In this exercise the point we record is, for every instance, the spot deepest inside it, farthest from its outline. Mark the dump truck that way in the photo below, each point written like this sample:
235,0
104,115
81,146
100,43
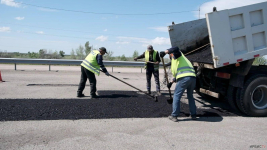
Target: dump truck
222,48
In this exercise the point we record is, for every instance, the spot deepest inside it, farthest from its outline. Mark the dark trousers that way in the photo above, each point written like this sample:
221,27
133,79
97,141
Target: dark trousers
148,79
91,76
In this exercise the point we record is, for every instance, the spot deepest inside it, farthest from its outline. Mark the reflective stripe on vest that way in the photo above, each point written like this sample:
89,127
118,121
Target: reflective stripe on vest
91,66
156,66
182,67
185,72
90,62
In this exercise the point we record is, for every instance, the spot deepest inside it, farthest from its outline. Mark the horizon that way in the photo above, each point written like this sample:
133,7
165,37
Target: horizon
120,26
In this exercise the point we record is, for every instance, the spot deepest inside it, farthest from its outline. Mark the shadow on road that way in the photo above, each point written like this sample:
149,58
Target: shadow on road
111,104
219,105
213,117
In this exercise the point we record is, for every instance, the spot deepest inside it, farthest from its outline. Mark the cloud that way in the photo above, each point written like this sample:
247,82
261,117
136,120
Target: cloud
106,30
10,3
47,9
223,4
4,29
160,41
131,38
40,32
19,18
102,38
122,42
160,29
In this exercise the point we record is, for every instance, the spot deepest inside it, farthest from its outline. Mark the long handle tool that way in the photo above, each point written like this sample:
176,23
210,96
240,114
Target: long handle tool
154,97
171,99
146,61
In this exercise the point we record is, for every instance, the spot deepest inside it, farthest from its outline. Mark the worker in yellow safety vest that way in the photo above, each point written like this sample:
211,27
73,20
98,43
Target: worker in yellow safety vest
185,77
89,67
152,67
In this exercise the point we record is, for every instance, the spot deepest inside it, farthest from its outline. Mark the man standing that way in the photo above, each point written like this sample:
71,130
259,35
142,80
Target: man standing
89,67
184,74
152,67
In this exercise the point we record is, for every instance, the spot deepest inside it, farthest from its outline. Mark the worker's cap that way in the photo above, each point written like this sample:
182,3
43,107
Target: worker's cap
173,50
103,49
149,47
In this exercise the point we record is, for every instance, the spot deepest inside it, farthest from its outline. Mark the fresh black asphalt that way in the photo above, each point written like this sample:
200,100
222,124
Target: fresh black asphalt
202,55
111,104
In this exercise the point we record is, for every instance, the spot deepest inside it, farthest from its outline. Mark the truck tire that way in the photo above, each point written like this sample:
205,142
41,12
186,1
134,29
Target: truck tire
252,98
237,100
231,98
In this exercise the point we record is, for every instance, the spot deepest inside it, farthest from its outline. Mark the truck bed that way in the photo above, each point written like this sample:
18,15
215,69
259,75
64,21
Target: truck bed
235,35
201,56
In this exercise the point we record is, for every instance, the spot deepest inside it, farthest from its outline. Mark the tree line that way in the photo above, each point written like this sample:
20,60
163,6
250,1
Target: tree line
43,54
79,53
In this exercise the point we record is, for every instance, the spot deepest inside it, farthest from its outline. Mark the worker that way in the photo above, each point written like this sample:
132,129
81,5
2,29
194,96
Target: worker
185,77
89,67
152,67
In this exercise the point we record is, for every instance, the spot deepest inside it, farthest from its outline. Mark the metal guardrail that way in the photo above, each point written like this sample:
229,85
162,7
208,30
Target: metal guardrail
67,62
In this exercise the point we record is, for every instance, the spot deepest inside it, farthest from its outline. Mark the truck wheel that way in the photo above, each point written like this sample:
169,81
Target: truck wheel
237,100
253,97
231,97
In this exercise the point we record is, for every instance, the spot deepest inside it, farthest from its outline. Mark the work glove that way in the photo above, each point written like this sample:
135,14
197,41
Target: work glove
107,74
169,85
162,54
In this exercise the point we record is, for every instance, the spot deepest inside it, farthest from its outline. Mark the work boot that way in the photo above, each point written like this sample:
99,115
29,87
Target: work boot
193,117
80,95
172,118
94,96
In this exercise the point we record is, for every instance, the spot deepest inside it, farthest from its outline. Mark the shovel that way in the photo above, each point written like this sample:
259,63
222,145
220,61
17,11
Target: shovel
154,97
169,101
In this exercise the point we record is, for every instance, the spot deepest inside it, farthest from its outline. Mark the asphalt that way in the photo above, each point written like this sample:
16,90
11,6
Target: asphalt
39,110
110,104
202,55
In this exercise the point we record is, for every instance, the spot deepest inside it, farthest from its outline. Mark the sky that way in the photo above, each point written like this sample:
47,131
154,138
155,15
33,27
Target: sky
122,26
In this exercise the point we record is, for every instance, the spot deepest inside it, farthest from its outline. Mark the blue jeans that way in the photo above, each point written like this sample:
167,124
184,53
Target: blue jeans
185,83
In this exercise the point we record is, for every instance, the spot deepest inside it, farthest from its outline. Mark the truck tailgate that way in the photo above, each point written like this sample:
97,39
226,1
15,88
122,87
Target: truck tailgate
189,36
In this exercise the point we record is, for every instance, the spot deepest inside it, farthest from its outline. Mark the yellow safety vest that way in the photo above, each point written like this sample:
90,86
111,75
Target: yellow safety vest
90,62
156,66
182,67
